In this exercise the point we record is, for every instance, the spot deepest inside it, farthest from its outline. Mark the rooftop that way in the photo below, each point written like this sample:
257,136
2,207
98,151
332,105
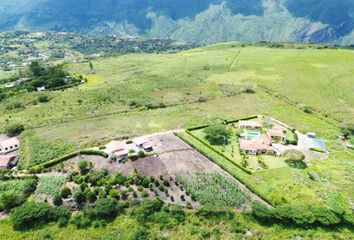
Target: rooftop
9,142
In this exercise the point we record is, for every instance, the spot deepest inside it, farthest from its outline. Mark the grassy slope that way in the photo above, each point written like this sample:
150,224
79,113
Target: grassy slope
99,110
178,80
126,227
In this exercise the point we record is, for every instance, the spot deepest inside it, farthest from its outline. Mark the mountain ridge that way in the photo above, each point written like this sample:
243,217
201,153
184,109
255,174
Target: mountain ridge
193,20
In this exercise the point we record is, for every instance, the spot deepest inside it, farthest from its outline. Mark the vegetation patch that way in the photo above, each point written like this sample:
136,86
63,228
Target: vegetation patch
213,189
15,192
50,185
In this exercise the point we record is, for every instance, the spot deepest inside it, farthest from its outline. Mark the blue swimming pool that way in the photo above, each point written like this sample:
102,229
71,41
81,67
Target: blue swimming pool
253,134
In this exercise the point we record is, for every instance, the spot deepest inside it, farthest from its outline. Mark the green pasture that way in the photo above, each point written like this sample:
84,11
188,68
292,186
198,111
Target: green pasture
138,94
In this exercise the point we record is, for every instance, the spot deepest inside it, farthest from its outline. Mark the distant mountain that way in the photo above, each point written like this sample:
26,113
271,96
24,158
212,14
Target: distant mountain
204,21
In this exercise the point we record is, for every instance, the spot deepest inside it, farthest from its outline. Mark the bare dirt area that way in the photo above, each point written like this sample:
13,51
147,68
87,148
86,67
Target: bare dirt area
172,156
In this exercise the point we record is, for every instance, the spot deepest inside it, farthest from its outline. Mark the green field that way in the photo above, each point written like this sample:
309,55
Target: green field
137,94
124,96
127,94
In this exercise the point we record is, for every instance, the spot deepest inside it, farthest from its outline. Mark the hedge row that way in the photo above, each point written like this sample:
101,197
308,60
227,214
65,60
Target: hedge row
220,153
301,214
40,167
225,167
226,121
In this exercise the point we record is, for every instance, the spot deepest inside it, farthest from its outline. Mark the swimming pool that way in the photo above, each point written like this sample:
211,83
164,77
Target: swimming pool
252,134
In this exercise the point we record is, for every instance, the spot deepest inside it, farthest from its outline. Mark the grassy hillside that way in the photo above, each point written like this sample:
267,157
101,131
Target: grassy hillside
143,93
137,94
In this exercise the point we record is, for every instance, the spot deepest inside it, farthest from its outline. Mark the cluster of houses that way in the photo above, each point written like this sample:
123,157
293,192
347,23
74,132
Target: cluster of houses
258,143
8,153
120,150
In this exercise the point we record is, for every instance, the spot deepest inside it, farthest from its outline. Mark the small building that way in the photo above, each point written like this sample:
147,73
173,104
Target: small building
147,147
9,145
349,146
117,150
8,161
250,125
257,146
276,134
41,89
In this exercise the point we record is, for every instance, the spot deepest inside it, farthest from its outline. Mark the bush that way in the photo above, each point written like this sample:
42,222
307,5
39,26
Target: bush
43,99
145,194
80,198
81,221
166,183
307,109
31,214
91,196
217,134
105,208
262,212
295,158
57,201
145,183
84,166
14,129
147,208
141,154
65,192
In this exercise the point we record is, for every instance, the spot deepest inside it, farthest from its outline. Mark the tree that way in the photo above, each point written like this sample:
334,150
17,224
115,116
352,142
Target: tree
57,201
65,192
36,69
31,214
105,208
217,134
80,197
347,129
9,200
91,66
14,129
84,166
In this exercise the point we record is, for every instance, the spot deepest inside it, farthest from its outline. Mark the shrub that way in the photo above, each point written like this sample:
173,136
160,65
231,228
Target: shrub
84,166
146,208
80,197
119,178
57,201
65,192
14,129
141,154
31,214
105,208
113,193
261,212
91,196
145,183
307,109
43,99
166,183
81,220
145,194
161,188
217,134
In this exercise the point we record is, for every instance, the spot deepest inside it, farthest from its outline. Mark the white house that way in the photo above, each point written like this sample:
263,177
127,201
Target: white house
9,145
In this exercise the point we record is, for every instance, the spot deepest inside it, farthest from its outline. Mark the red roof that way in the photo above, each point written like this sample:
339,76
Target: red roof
5,160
